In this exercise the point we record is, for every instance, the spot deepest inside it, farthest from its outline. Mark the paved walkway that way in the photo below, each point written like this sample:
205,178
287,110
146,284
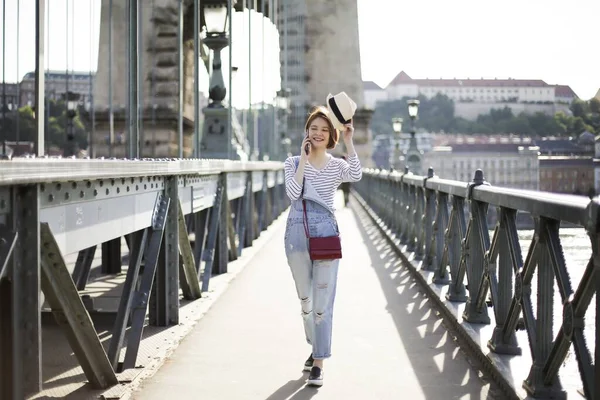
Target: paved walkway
387,342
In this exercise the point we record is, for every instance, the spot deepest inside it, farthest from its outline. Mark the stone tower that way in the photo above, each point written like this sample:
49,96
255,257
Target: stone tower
320,54
159,71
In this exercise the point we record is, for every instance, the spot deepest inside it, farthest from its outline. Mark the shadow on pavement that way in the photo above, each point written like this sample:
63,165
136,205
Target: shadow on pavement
291,389
441,368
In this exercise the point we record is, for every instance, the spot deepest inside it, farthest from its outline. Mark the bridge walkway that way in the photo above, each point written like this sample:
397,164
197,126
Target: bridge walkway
388,343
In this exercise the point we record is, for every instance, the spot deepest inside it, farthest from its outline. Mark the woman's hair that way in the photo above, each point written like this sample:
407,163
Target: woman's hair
321,112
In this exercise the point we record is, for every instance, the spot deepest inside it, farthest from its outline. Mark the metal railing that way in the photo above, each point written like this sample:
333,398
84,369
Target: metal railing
425,217
53,207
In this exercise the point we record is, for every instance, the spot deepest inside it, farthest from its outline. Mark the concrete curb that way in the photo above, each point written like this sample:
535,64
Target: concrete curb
465,340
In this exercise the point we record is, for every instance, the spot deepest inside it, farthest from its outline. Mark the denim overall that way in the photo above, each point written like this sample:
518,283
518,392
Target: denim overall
315,280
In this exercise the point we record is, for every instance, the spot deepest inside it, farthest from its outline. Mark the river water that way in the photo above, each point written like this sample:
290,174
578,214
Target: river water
577,250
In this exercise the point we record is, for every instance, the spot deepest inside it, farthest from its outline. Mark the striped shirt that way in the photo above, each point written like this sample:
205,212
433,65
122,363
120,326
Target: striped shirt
325,181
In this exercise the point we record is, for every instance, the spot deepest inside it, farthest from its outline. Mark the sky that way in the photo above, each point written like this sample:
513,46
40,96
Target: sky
553,40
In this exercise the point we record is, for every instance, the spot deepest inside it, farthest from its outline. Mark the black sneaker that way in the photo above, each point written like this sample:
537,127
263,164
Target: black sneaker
309,363
316,377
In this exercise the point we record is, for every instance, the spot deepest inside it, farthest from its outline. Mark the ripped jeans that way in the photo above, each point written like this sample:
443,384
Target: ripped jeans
315,280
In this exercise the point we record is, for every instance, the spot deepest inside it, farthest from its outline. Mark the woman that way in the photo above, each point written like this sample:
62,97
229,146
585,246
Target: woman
315,176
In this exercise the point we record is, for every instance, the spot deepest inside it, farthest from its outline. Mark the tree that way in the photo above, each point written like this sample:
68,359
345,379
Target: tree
578,108
520,125
55,134
437,115
595,106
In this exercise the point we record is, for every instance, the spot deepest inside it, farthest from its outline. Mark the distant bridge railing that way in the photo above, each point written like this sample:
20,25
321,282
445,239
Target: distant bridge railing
53,207
424,218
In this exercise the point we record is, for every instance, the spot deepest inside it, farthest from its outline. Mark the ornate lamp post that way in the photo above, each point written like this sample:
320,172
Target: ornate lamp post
395,152
215,141
216,18
72,100
413,155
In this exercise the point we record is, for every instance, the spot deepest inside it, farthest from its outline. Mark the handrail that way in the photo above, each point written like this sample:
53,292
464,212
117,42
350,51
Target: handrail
563,207
154,204
441,230
41,170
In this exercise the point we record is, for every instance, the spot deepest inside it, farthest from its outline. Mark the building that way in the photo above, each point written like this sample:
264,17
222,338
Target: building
292,42
18,149
473,97
373,94
9,92
505,162
582,146
564,94
567,174
56,85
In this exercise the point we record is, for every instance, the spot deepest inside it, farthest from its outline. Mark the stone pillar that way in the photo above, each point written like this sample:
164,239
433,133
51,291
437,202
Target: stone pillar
215,143
332,58
332,61
159,70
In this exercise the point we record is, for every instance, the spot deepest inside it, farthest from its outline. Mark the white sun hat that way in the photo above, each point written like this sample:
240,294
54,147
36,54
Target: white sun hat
341,109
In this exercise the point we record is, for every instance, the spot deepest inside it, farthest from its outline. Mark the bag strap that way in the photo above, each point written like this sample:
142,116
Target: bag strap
305,218
306,232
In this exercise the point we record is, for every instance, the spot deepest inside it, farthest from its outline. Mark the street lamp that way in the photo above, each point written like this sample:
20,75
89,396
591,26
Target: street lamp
397,125
413,155
72,100
216,18
395,140
216,142
413,108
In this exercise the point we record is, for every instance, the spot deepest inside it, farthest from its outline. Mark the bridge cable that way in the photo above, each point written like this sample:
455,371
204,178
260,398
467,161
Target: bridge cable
92,111
18,98
3,76
111,123
230,12
66,100
46,94
263,145
152,85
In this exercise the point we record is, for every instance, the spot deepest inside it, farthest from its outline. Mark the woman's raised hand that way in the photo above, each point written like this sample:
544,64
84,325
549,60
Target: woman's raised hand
348,132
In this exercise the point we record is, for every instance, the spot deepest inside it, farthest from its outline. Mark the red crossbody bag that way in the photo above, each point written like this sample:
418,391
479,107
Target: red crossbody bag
320,248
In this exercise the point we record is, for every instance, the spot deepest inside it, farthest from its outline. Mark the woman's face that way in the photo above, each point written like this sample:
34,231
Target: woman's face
318,132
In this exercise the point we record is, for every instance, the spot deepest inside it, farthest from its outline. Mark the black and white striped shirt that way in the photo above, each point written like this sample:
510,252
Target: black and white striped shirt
325,181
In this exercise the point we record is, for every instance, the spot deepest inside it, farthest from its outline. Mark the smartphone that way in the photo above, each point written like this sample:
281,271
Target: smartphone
307,146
